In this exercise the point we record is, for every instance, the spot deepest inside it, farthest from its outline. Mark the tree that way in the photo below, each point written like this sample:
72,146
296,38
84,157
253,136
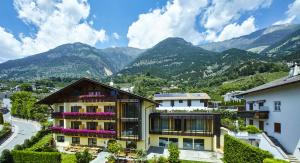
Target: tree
25,87
173,153
1,118
6,157
83,157
115,149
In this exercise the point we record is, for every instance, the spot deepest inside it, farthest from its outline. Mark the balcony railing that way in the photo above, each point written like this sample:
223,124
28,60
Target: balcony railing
182,133
84,115
85,132
256,114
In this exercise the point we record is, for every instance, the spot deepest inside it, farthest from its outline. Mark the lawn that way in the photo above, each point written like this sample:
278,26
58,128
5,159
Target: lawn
188,161
68,158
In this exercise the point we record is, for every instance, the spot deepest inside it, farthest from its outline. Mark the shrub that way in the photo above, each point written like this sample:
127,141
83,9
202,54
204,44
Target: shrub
6,157
6,130
237,151
251,129
44,145
173,153
18,147
269,160
162,159
36,157
68,158
83,157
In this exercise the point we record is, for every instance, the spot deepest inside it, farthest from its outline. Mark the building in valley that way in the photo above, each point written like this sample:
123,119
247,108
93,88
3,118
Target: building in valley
274,108
182,101
90,113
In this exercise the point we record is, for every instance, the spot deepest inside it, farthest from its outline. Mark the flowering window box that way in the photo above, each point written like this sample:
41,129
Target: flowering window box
85,132
85,115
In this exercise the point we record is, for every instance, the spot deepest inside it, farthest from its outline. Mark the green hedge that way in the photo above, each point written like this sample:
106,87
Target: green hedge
236,151
43,145
270,160
36,157
5,132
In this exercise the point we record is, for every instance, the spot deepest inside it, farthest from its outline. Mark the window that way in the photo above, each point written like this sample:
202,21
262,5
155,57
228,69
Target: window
75,140
61,123
277,105
173,141
75,108
251,106
277,128
260,105
60,139
92,141
109,126
172,103
109,108
199,144
75,124
130,110
250,122
91,125
91,109
163,142
189,102
165,124
61,109
180,101
187,143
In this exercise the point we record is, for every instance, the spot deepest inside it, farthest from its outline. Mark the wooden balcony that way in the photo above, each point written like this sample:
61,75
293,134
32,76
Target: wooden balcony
255,114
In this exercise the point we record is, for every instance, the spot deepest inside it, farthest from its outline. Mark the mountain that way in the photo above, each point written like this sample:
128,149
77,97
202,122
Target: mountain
256,41
172,58
286,46
69,60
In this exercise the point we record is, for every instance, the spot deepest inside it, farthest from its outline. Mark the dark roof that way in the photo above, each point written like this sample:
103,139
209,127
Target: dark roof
47,100
274,84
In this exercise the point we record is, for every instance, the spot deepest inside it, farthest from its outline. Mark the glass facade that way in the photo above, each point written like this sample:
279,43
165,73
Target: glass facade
187,143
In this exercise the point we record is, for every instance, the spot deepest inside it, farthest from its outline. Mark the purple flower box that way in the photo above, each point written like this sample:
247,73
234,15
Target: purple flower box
85,115
88,114
82,131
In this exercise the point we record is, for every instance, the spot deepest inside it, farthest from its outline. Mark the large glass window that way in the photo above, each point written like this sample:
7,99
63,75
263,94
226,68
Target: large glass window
75,140
61,123
163,142
109,108
197,125
165,124
75,108
91,109
92,141
130,110
91,125
109,126
199,144
75,124
155,124
187,143
130,129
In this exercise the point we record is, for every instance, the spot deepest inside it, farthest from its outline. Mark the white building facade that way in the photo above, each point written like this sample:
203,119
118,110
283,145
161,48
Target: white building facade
182,101
275,108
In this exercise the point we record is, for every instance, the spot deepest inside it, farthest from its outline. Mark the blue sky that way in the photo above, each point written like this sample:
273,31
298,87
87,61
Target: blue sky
32,26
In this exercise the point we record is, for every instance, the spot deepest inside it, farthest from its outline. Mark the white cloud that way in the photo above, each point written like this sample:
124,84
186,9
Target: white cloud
222,12
293,13
236,30
177,18
116,36
9,46
57,22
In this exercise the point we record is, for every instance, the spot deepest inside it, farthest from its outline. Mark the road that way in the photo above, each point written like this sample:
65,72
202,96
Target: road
22,129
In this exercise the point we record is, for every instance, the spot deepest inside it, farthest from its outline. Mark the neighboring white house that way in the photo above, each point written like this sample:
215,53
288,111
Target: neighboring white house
232,96
275,108
182,101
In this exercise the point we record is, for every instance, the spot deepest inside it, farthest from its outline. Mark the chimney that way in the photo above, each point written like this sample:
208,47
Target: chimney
295,70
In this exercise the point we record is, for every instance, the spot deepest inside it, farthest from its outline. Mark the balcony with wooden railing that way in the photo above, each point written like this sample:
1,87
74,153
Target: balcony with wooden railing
261,113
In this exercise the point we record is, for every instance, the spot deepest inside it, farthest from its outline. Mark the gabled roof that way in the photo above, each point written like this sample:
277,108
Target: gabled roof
273,84
49,99
181,96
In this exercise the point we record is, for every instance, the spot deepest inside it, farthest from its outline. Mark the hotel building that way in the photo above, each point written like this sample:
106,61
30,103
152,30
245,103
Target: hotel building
90,113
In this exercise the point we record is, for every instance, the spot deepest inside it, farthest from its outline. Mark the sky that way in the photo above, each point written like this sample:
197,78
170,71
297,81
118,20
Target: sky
29,27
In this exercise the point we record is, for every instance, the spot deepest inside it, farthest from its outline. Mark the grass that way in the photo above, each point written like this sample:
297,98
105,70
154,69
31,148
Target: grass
42,144
68,158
